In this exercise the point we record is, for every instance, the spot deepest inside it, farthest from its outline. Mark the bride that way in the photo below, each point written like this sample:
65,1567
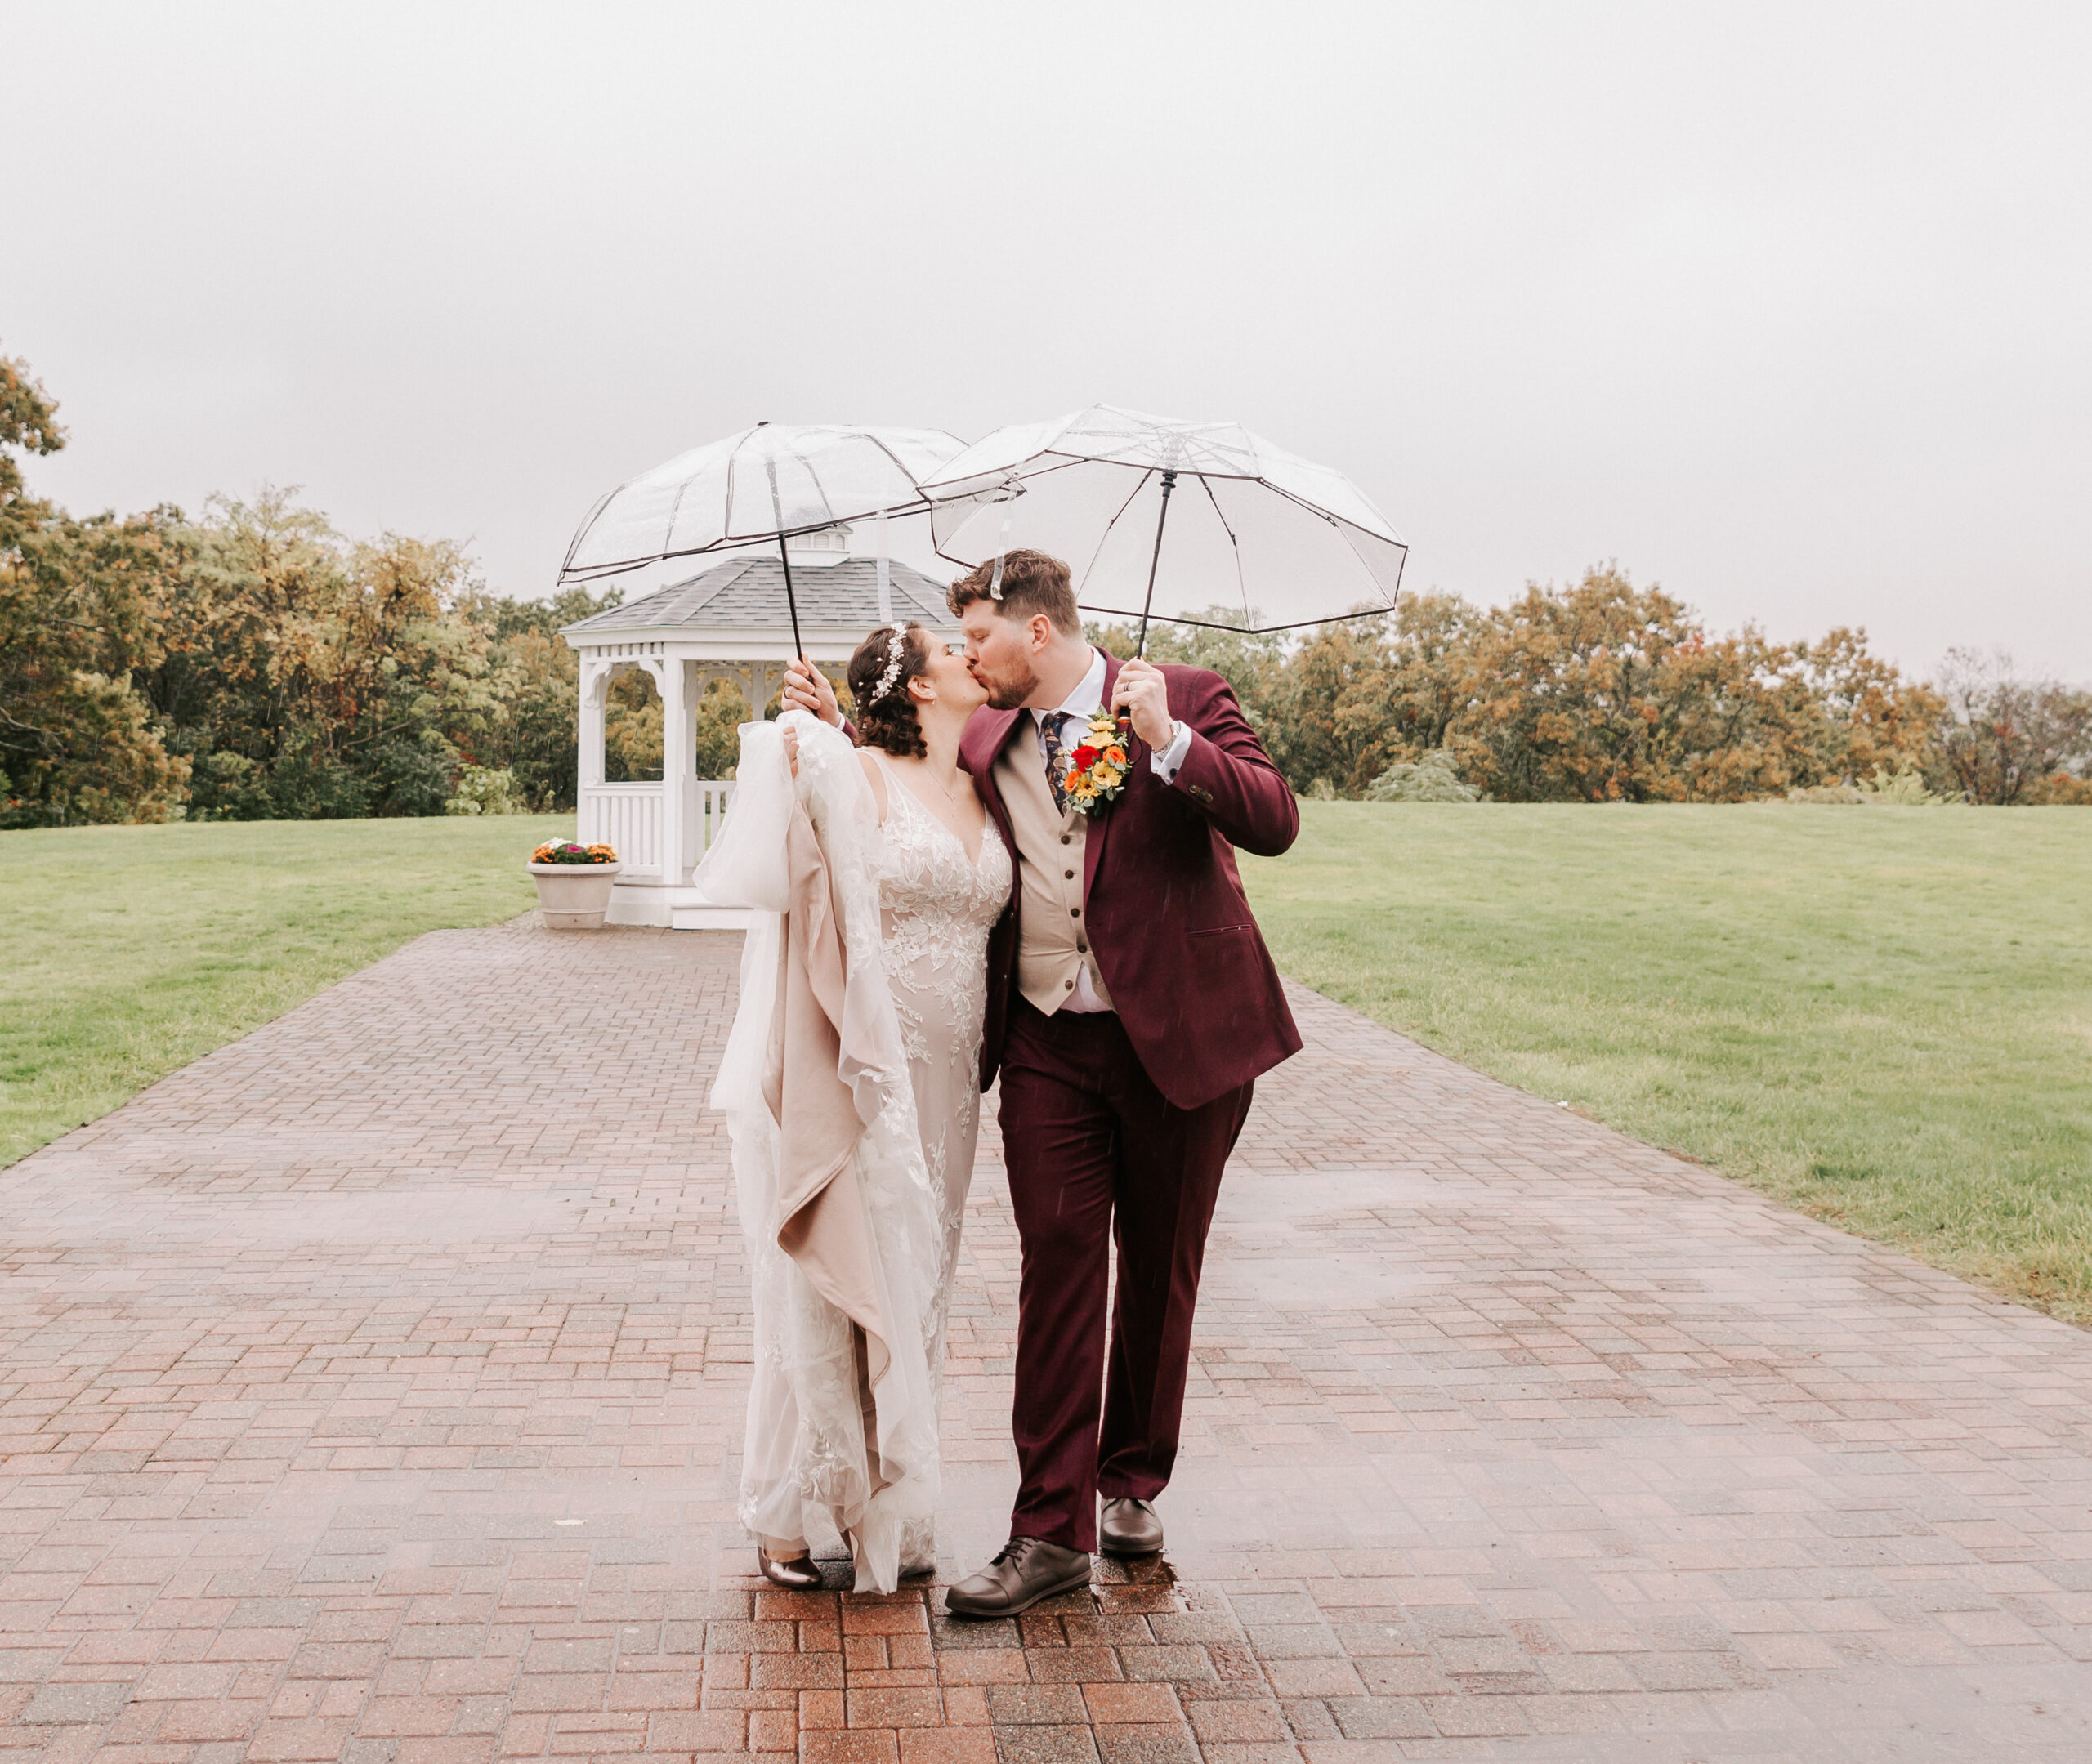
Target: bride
850,1088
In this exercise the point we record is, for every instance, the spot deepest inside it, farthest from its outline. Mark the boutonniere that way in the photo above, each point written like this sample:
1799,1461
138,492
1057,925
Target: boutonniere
1097,767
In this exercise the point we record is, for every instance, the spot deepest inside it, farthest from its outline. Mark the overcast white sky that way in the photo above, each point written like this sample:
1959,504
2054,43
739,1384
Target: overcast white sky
1789,308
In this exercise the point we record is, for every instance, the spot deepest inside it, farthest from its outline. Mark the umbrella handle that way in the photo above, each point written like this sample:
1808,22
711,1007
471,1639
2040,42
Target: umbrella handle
1169,483
791,601
783,553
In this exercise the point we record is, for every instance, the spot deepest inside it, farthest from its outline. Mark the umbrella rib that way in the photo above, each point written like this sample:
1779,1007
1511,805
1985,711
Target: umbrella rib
618,566
1323,513
1147,472
581,532
915,506
1234,544
733,461
1345,529
1207,624
930,502
913,484
676,508
820,490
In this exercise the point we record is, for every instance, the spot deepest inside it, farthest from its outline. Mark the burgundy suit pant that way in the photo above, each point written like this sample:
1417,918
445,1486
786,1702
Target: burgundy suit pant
1098,1158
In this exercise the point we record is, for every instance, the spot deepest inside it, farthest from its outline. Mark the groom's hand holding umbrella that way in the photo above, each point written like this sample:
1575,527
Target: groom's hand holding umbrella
807,688
1143,695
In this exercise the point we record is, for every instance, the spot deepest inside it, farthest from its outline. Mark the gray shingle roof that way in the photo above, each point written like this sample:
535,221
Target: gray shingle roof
750,591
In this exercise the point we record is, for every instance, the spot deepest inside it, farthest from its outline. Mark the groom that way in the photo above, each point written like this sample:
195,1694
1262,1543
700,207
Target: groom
1131,1005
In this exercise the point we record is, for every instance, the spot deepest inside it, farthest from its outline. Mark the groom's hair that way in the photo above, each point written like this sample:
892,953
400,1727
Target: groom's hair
1032,583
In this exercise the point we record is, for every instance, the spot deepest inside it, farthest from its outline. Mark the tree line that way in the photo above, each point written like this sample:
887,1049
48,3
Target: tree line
1602,691
252,663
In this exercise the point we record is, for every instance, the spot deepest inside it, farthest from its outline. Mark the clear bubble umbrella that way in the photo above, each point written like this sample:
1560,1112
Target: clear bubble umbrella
1276,541
770,482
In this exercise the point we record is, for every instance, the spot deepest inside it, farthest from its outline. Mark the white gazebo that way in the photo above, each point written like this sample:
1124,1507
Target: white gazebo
727,622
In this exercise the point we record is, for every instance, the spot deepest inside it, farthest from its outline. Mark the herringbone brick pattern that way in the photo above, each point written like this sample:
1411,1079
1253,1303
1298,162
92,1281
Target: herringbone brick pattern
369,1391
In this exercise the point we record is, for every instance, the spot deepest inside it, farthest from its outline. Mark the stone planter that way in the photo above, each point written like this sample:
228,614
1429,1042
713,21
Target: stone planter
573,896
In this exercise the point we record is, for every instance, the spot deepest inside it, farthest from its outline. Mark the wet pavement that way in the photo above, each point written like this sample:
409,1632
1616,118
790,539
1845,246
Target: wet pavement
369,1392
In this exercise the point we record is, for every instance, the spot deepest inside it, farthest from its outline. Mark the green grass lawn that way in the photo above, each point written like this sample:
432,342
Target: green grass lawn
132,950
1881,1015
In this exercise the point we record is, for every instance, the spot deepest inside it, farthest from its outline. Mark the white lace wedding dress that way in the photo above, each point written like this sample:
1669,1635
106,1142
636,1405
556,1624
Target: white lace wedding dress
826,1455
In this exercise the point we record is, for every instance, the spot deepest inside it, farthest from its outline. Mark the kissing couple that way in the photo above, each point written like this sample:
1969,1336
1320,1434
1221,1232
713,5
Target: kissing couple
1015,860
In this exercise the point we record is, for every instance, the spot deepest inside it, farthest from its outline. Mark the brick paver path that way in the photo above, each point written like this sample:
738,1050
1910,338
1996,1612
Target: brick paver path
370,1391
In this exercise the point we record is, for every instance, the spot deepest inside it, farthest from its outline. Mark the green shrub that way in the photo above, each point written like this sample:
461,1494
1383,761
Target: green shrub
482,790
1432,779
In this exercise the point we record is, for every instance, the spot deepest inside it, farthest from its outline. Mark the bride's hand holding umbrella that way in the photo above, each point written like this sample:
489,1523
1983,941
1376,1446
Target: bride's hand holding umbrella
807,688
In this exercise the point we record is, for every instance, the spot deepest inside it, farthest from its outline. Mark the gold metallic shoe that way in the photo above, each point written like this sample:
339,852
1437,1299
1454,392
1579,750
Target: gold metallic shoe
798,1575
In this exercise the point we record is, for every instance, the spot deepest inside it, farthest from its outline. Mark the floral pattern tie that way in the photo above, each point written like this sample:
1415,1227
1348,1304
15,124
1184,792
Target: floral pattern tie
1056,764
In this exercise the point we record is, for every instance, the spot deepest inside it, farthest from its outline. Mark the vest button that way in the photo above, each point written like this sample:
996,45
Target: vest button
1074,912
1082,948
1070,984
1070,874
1066,837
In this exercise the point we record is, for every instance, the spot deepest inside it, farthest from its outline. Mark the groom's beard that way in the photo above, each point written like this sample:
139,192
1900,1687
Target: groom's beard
1010,695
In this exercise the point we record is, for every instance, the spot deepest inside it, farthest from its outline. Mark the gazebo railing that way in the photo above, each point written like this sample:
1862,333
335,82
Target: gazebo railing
629,816
711,810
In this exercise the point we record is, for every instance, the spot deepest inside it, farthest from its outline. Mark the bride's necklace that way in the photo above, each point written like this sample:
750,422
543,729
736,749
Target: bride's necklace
950,790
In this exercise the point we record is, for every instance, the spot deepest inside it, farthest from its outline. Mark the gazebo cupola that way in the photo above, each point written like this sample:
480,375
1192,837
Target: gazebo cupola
727,621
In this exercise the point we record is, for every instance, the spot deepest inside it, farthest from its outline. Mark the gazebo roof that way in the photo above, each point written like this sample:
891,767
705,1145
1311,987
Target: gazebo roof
747,595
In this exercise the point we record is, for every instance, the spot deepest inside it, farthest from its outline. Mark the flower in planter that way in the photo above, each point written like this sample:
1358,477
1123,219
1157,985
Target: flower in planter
566,851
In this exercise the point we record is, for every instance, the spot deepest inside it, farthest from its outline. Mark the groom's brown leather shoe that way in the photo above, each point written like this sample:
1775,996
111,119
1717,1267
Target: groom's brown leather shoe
1129,1527
1025,1570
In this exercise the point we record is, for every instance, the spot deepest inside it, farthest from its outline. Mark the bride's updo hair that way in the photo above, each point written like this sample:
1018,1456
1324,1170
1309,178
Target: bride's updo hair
880,673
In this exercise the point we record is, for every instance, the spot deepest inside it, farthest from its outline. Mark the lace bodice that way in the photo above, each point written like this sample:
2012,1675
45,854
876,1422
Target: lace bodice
936,909
937,903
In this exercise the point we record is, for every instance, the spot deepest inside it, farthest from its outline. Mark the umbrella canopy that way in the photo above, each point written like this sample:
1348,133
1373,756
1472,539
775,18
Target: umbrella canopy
1273,539
765,482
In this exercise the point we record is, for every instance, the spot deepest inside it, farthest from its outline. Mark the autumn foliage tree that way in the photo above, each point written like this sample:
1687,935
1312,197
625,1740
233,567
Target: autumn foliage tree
1604,692
77,742
308,677
255,662
2006,740
1598,692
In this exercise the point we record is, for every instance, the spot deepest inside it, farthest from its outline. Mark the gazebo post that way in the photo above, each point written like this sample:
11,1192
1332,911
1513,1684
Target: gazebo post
678,768
594,688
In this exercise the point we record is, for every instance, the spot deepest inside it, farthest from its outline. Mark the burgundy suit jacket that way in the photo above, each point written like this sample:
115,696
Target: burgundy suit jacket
1168,923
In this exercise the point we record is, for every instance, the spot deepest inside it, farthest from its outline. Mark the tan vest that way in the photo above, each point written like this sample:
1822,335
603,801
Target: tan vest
1053,943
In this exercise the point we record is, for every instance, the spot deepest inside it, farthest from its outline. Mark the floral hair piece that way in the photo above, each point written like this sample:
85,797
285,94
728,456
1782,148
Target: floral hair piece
896,646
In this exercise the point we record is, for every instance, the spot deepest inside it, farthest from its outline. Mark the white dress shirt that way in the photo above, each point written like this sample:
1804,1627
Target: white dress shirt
1165,762
1087,699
